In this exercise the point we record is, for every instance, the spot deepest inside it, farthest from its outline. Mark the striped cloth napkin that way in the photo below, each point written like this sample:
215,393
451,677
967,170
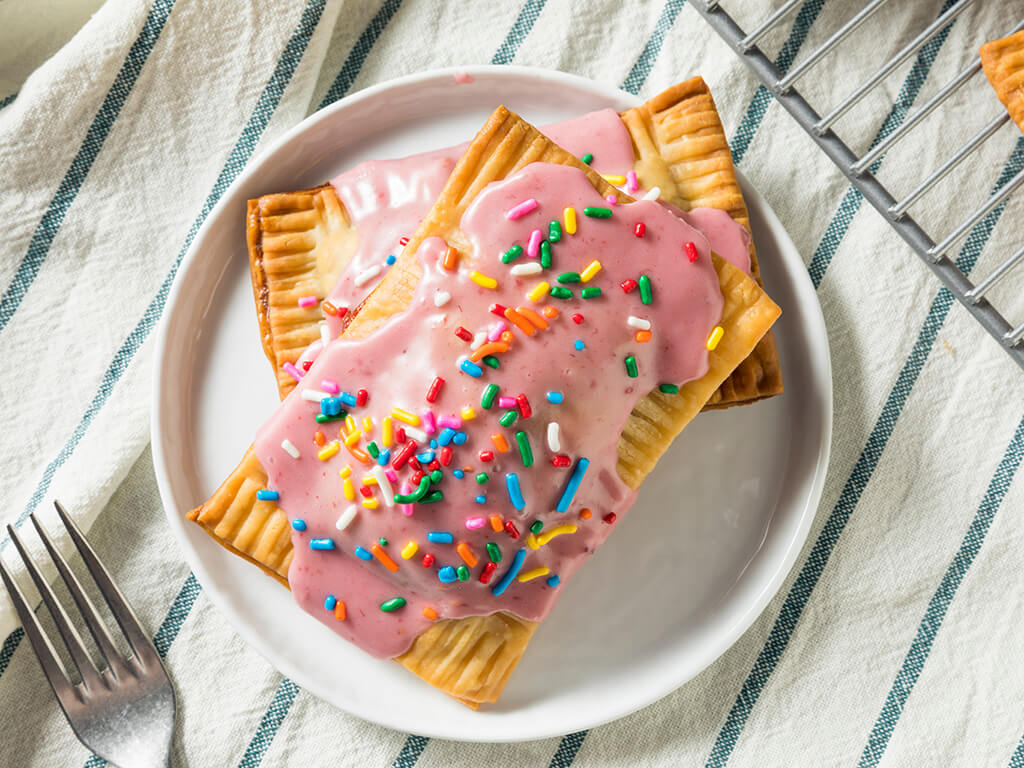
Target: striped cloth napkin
896,639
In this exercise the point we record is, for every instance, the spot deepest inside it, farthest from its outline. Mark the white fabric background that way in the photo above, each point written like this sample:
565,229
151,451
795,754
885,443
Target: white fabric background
897,639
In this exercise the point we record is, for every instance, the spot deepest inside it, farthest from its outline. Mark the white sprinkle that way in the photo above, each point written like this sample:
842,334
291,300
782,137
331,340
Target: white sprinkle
553,442
290,448
384,484
529,268
347,517
313,395
325,334
638,322
478,340
366,276
416,434
441,298
653,194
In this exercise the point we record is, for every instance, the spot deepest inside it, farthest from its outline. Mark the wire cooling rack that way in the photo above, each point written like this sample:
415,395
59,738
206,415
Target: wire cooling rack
860,170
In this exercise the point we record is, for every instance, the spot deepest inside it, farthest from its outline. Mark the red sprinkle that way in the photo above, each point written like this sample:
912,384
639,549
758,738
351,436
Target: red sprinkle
577,318
560,461
640,229
306,365
628,286
428,560
497,309
691,251
463,334
435,464
366,491
404,241
609,518
446,455
400,435
511,530
434,388
524,406
361,397
485,574
418,476
404,455
486,455
415,464
342,311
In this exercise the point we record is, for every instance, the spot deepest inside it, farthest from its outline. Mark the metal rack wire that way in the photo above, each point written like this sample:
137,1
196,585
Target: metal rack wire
859,169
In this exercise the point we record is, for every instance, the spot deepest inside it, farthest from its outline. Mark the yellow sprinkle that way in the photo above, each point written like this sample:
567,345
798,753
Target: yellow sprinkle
715,337
387,433
350,424
409,550
611,178
367,424
547,536
531,541
483,280
346,472
368,480
592,269
467,413
350,490
569,214
538,292
370,503
403,415
329,450
533,574
353,438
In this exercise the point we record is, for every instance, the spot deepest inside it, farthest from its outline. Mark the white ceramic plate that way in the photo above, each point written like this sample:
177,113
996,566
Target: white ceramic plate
714,532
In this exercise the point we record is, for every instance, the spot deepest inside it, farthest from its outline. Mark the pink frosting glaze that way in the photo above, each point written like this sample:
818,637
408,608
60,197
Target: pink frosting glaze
397,364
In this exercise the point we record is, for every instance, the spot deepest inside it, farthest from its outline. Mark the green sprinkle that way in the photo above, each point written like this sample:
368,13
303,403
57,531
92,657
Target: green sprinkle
508,418
537,527
493,552
597,213
591,292
417,495
554,231
545,254
482,477
436,476
432,496
524,448
631,369
587,158
568,277
490,392
561,293
322,418
372,449
492,361
463,573
393,604
645,289
382,541
512,254
668,389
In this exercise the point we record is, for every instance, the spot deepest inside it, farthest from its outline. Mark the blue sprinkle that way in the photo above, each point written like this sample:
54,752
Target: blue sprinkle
330,406
553,580
299,525
447,574
433,443
460,438
363,554
481,499
425,457
390,259
440,537
458,473
329,602
384,457
321,543
579,344
573,485
555,397
511,573
347,399
515,493
265,495
474,370
446,436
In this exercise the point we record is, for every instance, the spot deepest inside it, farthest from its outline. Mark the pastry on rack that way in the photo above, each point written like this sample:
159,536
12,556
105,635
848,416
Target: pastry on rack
1003,62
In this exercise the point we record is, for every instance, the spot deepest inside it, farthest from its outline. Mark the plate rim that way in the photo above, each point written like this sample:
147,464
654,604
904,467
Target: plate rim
760,596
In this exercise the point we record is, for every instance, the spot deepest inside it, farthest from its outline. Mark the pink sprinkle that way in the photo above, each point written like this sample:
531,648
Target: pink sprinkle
307,301
612,200
475,523
292,371
533,247
506,402
451,422
496,330
631,185
406,508
522,209
330,385
391,475
429,425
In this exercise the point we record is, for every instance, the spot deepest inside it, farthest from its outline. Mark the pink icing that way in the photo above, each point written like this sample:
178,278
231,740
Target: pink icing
399,361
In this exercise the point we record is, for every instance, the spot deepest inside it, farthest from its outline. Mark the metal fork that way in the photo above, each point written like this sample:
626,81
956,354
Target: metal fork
124,712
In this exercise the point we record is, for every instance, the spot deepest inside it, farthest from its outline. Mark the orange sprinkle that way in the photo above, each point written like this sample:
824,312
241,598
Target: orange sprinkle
318,437
497,524
451,259
506,336
429,613
643,336
339,610
533,317
519,321
329,308
550,313
490,348
499,442
585,513
381,555
359,454
466,553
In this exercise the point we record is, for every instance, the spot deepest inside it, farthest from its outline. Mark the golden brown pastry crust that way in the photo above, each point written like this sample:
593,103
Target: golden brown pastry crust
1003,62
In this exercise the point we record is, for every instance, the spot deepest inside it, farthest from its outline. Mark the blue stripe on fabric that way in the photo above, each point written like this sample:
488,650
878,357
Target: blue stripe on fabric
645,62
8,99
520,29
74,178
9,647
357,56
748,126
271,721
1017,759
800,593
240,154
940,601
567,750
411,751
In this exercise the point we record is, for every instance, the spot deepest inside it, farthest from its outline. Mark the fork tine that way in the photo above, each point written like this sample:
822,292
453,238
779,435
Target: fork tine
52,668
141,645
85,605
73,641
